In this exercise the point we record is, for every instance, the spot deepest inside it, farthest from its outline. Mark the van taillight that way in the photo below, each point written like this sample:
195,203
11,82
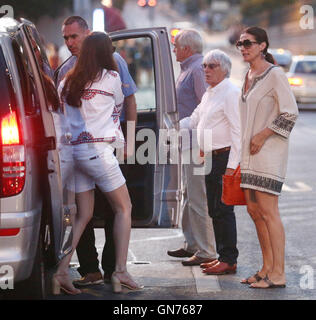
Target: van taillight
13,157
9,232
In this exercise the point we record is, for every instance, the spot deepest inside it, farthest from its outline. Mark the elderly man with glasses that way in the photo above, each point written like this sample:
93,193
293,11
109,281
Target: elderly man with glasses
199,245
218,112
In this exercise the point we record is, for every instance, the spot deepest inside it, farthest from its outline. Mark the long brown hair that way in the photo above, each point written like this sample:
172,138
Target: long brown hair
95,55
261,36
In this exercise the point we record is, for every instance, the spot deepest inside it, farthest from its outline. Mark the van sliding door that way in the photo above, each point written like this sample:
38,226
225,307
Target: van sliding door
153,175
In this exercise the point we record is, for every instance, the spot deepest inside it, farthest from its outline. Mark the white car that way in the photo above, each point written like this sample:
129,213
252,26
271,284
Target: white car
302,78
282,57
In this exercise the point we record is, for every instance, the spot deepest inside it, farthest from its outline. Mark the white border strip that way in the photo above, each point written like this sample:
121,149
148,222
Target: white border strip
205,283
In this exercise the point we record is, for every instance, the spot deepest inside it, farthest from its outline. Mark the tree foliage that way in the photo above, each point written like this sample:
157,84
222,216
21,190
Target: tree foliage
253,7
33,9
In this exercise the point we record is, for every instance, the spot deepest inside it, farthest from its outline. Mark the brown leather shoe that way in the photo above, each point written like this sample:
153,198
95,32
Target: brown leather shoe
221,268
180,253
89,279
196,261
208,264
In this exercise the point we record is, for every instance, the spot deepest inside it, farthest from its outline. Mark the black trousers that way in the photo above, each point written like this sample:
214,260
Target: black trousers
223,216
87,252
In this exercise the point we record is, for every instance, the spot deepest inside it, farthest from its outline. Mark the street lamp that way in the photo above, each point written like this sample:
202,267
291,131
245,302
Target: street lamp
145,3
98,20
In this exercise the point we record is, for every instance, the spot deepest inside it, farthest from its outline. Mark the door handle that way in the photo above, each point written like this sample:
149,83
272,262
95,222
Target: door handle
47,143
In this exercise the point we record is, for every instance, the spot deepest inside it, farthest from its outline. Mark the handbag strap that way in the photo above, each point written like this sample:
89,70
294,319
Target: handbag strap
237,171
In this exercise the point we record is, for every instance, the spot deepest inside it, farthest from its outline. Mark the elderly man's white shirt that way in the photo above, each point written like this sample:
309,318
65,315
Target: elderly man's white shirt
218,112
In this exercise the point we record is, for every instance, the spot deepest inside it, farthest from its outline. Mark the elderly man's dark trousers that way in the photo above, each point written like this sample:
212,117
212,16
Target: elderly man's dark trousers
224,221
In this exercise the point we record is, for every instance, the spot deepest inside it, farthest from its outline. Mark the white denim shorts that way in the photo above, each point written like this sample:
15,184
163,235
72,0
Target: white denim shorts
102,170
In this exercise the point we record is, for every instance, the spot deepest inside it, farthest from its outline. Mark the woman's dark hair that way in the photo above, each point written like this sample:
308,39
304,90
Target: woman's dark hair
95,55
261,36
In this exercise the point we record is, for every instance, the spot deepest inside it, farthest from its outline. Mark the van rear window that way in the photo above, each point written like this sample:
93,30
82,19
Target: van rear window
7,101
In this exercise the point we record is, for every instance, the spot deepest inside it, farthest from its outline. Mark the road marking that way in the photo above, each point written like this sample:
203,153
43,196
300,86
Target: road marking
205,283
301,187
296,202
300,209
300,217
132,255
179,234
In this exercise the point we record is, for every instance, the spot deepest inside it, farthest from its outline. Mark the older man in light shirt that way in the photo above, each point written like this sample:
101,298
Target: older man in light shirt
219,112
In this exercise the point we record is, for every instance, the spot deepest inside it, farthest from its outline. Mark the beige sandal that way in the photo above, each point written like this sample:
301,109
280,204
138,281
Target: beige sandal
58,287
256,276
117,284
269,283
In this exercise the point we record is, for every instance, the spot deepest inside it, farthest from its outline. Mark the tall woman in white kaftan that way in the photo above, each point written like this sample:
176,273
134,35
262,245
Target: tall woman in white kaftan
268,112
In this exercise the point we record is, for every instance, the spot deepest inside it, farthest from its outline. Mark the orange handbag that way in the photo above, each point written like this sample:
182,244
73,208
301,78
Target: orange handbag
232,194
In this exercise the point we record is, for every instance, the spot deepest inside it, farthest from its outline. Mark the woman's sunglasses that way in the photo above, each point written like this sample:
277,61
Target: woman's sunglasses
246,44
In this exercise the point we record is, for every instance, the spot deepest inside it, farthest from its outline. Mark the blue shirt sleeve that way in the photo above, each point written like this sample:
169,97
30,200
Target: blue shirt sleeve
128,84
63,69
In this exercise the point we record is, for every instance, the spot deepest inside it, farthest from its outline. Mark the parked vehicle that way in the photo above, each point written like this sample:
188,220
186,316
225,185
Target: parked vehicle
302,78
181,25
36,203
154,186
32,211
282,57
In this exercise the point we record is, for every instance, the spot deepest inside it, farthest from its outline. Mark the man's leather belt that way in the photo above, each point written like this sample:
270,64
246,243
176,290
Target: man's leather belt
218,151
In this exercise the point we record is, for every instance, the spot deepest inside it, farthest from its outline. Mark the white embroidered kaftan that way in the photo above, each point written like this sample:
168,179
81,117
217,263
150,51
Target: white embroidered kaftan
268,103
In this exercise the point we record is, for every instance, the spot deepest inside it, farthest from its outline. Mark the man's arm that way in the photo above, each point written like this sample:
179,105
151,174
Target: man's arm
61,71
231,111
131,120
130,107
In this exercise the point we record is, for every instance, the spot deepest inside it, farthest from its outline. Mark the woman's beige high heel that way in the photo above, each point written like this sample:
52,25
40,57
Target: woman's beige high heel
117,284
57,286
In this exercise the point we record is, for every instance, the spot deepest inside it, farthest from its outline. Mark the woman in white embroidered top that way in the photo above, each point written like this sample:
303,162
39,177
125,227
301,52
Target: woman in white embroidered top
93,99
268,112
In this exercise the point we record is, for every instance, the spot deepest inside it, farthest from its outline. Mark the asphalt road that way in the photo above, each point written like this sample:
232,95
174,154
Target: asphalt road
165,278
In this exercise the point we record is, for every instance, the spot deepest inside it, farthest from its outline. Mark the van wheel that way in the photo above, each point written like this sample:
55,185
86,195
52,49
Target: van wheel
34,288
